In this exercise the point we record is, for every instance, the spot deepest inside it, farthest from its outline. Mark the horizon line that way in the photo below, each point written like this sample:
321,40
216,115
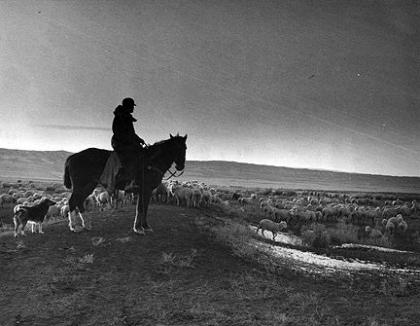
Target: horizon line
247,163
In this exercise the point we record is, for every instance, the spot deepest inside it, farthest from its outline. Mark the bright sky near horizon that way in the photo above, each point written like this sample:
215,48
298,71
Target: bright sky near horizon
314,84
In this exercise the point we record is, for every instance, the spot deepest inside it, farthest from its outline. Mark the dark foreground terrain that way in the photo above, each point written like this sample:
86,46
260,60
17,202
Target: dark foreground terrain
178,275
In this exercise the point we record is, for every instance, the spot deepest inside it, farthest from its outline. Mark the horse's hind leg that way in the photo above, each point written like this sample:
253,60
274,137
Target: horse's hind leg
74,203
86,220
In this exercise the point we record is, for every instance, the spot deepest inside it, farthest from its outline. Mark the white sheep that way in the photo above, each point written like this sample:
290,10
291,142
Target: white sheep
103,200
53,211
390,226
91,203
396,223
280,214
205,198
269,225
65,209
402,226
372,232
196,197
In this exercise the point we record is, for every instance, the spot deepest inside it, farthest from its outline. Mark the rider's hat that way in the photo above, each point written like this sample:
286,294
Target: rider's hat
128,101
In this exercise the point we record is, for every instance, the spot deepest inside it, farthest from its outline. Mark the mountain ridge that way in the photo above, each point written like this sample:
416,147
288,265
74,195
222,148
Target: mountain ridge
49,165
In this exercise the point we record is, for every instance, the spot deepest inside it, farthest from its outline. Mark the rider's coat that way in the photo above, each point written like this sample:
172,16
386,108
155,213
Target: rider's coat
123,129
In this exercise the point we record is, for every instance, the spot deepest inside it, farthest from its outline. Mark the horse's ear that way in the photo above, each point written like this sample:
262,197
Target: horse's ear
185,137
170,135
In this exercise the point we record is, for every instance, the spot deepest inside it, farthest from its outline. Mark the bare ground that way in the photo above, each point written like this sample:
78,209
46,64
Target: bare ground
177,275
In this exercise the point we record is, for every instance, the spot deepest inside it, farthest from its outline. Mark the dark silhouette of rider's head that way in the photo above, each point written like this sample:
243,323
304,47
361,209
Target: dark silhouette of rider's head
128,104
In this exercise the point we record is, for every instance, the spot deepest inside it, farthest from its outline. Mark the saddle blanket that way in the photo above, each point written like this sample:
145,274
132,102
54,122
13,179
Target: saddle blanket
110,171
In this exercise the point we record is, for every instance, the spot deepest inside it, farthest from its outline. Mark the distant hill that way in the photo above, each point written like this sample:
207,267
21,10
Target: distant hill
49,165
32,164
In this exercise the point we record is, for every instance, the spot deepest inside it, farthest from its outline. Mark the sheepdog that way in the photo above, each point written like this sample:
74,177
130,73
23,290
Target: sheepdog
35,214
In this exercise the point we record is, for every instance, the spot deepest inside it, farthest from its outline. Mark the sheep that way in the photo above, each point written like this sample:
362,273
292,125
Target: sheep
6,199
396,202
91,202
118,197
363,216
160,193
53,211
281,214
388,212
303,216
244,201
402,226
180,192
269,225
65,210
396,223
390,227
21,200
372,232
196,197
205,198
330,213
183,195
103,199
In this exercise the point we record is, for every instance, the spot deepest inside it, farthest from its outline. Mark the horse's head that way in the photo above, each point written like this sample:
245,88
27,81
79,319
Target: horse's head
179,150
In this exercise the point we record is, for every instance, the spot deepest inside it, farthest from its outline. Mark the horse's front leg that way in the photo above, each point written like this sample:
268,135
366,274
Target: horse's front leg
138,228
146,201
140,221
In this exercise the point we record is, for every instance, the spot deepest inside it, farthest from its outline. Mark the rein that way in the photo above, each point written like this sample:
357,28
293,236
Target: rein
173,174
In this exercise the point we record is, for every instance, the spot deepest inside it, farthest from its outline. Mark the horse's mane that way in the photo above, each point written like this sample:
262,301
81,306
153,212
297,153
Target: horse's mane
157,145
160,142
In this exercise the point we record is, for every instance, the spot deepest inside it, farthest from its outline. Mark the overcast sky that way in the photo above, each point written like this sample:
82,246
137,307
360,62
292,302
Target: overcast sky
314,84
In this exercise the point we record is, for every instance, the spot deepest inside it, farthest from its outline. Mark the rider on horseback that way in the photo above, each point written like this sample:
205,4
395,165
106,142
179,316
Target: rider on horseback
127,144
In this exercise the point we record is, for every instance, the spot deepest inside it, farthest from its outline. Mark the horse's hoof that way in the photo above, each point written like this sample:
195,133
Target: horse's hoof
139,231
148,229
78,229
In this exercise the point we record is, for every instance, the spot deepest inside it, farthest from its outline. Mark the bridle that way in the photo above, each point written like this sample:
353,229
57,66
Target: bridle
172,174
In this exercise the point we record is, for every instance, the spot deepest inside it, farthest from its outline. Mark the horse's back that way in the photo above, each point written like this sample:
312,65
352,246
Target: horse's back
91,153
85,165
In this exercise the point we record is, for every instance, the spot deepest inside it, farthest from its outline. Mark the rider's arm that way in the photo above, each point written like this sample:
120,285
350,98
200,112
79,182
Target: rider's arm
140,140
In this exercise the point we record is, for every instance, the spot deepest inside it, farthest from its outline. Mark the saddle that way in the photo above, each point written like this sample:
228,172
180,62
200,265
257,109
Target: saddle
109,175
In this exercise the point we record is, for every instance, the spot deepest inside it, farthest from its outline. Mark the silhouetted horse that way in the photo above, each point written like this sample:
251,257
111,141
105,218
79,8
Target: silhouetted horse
83,171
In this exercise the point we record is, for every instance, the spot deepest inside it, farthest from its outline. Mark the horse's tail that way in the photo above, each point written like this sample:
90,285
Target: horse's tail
67,180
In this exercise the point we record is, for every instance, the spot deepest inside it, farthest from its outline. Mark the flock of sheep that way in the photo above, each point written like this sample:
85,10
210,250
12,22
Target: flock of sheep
278,210
377,216
188,194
